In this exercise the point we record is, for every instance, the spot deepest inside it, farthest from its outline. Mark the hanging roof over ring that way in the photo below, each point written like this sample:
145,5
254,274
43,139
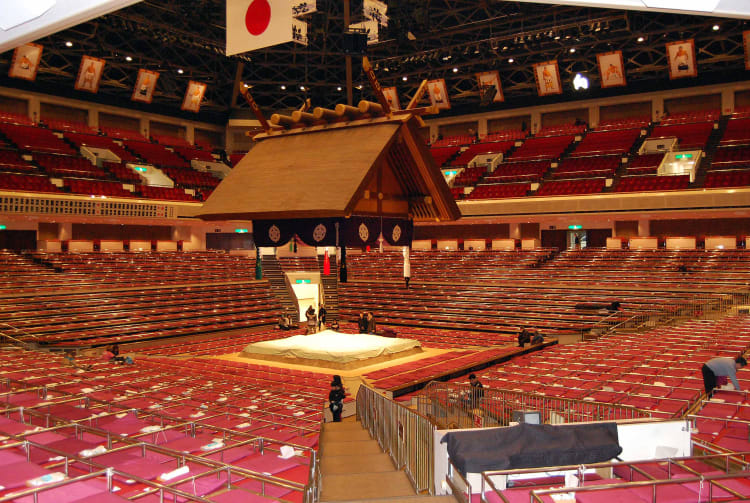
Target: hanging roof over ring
356,165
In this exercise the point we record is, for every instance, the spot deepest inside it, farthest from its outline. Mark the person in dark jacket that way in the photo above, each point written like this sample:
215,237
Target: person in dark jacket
371,327
322,316
336,399
524,337
362,323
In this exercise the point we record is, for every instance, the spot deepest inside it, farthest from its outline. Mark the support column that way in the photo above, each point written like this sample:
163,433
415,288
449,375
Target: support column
727,101
536,122
145,129
515,231
94,118
190,134
657,108
482,128
644,227
34,109
65,231
593,116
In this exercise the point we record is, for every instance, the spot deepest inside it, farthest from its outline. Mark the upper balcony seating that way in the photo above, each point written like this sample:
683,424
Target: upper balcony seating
731,158
561,130
35,139
96,188
644,164
571,187
27,183
502,190
13,118
190,177
481,148
737,178
607,142
442,154
736,133
691,117
121,172
526,171
587,167
190,153
166,193
104,142
550,147
457,192
690,136
172,141
156,154
69,166
469,176
123,134
69,126
205,145
11,161
648,183
458,140
629,123
507,135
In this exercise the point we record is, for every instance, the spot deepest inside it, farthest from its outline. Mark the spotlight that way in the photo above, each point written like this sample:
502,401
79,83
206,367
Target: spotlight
455,70
128,58
338,88
580,82
283,87
68,44
246,86
301,88
404,78
572,50
557,37
641,39
505,47
716,27
359,87
511,60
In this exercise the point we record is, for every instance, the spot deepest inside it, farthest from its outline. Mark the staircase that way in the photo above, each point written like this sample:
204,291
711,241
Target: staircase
709,150
355,469
330,286
272,272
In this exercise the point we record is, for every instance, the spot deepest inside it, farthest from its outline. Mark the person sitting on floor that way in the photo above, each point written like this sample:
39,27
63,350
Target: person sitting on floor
335,325
537,339
524,337
284,322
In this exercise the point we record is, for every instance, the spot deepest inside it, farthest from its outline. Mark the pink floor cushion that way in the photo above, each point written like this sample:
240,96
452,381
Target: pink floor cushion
101,498
8,456
666,494
232,454
69,493
11,427
128,425
189,444
268,489
236,495
522,496
69,446
734,444
609,496
15,475
203,485
299,474
269,463
139,467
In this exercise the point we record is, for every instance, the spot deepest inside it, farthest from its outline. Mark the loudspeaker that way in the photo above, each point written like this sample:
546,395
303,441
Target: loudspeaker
355,43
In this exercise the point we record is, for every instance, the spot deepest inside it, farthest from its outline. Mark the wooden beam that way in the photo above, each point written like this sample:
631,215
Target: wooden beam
237,83
255,108
376,88
418,95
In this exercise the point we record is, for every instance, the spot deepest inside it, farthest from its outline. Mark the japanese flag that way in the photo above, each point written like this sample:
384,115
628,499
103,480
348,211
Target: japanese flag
253,24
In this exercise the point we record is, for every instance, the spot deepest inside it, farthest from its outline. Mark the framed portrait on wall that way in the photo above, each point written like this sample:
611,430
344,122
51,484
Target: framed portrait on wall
547,76
25,62
391,96
611,69
681,57
145,85
490,90
438,94
89,74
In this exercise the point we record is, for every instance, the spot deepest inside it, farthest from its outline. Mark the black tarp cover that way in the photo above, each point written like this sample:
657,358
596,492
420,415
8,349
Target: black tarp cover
531,446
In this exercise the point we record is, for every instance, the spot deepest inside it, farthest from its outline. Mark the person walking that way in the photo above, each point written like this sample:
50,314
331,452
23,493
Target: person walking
336,398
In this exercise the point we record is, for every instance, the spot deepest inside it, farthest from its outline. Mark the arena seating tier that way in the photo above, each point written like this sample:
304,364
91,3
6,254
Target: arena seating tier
35,139
571,187
652,182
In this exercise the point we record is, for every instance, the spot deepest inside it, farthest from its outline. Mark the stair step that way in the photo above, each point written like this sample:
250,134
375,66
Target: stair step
407,499
356,463
345,436
360,486
346,448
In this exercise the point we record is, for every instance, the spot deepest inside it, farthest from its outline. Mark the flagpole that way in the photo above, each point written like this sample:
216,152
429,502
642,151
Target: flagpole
347,22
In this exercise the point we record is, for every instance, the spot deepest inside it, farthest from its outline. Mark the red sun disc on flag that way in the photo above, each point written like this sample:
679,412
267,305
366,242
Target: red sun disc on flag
258,16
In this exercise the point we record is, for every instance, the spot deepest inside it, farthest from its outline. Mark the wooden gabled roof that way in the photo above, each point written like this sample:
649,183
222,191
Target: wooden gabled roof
374,166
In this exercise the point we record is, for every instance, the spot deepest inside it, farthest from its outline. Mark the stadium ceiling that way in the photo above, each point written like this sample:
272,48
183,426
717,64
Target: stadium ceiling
451,39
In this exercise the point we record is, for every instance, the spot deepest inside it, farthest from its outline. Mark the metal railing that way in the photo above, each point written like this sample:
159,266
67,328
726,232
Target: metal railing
404,434
453,406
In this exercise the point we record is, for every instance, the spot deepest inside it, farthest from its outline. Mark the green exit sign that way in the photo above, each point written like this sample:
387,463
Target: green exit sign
683,156
241,231
302,281
141,169
575,227
2,227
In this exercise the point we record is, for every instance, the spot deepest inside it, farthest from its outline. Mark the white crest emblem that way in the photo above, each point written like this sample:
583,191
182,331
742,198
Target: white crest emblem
364,232
396,233
319,233
274,234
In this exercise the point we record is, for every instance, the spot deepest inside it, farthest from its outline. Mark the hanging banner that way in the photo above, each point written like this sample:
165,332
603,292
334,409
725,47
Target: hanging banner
375,10
25,62
398,231
369,27
272,232
547,77
490,90
326,264
254,24
145,85
611,69
303,8
681,56
193,96
360,231
438,94
316,231
89,74
391,95
299,32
